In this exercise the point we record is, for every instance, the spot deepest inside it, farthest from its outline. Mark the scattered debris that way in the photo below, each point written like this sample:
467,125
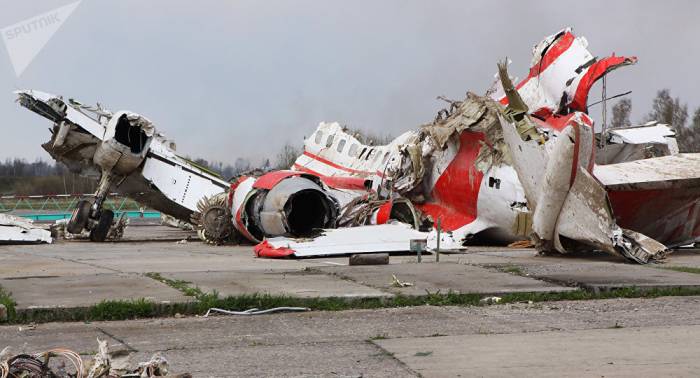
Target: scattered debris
183,241
395,282
102,365
18,230
522,244
59,230
256,311
171,221
490,300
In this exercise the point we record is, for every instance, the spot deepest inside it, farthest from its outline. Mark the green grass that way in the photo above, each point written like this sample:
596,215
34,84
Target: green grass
183,286
512,269
141,308
6,299
137,309
381,336
684,269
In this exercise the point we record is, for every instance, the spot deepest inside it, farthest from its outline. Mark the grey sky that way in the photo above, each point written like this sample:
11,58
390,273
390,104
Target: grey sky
229,79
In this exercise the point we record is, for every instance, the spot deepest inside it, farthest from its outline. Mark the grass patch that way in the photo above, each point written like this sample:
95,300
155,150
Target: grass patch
512,269
8,302
141,308
183,286
684,269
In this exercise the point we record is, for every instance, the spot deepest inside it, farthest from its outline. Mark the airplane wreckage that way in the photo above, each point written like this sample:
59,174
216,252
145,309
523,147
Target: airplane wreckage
522,161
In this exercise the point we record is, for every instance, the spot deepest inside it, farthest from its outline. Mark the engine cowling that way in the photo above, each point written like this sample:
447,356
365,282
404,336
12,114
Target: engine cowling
282,203
127,139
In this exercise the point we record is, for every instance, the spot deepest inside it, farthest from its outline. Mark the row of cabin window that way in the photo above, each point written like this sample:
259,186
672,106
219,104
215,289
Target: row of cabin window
353,148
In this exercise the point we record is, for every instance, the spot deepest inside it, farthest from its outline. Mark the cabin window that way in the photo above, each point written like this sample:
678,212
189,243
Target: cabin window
319,137
386,158
329,141
369,154
341,145
362,153
376,156
353,150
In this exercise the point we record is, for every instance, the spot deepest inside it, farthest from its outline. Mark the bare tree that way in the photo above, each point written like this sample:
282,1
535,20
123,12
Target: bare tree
368,137
287,156
621,113
669,110
689,139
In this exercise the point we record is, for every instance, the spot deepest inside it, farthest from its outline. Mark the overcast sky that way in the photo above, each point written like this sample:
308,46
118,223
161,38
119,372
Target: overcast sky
230,79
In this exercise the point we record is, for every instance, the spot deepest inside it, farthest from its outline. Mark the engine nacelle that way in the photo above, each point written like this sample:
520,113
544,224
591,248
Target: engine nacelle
126,142
282,203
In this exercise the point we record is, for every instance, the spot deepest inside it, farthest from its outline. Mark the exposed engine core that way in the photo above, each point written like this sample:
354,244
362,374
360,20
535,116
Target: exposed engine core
283,203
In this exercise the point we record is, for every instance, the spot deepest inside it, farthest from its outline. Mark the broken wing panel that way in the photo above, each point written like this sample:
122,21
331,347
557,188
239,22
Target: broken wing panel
342,241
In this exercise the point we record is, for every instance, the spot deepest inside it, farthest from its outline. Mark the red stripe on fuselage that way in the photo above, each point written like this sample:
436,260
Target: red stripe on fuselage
455,194
340,167
556,49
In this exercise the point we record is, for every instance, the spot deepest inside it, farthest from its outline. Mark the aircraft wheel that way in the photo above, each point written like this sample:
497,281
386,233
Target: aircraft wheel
79,217
99,233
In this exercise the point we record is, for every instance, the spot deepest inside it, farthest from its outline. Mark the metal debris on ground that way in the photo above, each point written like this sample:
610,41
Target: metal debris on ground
395,282
59,230
490,300
171,221
15,230
256,311
65,363
522,244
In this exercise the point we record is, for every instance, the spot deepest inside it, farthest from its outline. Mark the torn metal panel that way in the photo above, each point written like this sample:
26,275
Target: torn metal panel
636,143
562,72
17,230
129,156
567,201
364,239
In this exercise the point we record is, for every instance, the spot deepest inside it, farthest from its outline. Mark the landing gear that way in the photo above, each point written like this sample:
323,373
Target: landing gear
101,229
80,217
91,216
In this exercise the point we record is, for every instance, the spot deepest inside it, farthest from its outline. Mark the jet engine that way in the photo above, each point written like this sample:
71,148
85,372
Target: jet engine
282,203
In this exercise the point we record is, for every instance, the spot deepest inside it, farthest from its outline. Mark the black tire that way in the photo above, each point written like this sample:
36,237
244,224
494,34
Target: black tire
99,233
79,218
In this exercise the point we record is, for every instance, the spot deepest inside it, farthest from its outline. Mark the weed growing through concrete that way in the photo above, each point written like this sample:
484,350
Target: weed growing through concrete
141,308
183,286
8,302
512,269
